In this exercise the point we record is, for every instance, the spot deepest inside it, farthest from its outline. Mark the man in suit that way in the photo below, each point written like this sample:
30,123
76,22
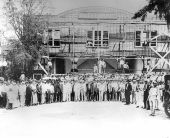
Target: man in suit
39,92
128,90
57,91
28,96
146,94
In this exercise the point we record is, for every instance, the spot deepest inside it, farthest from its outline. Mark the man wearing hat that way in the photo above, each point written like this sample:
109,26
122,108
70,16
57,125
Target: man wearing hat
77,87
43,86
122,90
88,91
128,90
64,89
146,94
160,88
115,87
56,90
103,66
69,90
39,91
152,98
83,90
28,96
34,92
139,94
95,92
134,89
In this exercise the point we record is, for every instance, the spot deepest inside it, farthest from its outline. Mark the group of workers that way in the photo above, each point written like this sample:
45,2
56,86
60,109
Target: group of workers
146,92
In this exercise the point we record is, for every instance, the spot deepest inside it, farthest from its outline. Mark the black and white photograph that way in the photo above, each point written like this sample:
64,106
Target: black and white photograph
84,68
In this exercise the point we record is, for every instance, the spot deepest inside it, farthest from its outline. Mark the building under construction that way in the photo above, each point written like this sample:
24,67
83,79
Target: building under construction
83,35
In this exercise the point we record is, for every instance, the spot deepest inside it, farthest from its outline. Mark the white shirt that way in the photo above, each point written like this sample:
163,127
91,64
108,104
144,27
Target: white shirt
22,89
77,88
153,92
44,87
51,88
69,87
134,86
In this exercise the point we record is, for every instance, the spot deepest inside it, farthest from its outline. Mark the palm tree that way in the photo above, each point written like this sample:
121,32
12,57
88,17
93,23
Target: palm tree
161,8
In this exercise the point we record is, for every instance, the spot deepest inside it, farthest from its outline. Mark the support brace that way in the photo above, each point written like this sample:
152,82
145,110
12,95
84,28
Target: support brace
43,68
162,58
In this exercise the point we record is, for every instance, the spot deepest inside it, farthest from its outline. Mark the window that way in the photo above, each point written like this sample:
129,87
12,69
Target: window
105,38
50,40
153,34
90,35
141,38
54,37
97,38
145,38
138,39
90,38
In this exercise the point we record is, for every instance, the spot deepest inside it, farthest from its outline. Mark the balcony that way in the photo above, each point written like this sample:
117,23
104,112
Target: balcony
82,51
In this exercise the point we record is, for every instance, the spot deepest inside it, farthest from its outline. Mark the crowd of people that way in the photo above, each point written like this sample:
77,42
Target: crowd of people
141,90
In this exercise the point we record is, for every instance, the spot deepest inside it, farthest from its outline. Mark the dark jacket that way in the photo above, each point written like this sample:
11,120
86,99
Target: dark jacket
128,88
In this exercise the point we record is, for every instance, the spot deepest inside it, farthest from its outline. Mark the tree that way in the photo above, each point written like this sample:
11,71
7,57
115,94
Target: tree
161,8
26,18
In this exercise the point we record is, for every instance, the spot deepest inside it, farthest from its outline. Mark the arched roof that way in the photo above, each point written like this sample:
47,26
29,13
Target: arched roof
95,13
85,15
